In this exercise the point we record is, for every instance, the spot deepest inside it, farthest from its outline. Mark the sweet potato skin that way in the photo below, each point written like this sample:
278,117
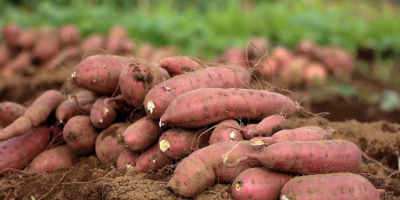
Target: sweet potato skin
177,143
102,113
137,78
141,134
159,98
151,160
266,127
305,133
329,186
127,159
180,65
17,152
206,106
17,128
311,157
227,130
53,159
80,135
73,106
107,145
100,73
202,168
258,184
9,112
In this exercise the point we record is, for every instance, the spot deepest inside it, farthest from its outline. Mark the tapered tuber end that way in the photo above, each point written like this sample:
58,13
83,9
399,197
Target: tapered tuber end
164,145
330,132
150,106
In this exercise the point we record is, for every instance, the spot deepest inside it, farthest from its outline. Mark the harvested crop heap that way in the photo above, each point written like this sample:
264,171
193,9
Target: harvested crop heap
141,115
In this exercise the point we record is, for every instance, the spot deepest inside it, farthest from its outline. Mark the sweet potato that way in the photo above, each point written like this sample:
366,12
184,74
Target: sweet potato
234,55
315,73
102,113
178,143
336,60
11,33
127,46
307,48
5,55
266,127
100,73
160,53
305,133
329,186
116,37
268,68
53,159
92,42
107,145
311,157
180,65
145,51
80,135
9,112
257,47
47,45
35,114
118,103
158,99
17,152
283,56
258,184
141,134
151,160
59,59
227,130
137,78
203,167
27,38
127,159
69,34
205,106
18,64
293,74
74,105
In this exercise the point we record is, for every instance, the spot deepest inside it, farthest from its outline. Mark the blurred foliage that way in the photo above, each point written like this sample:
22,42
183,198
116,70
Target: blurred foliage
206,28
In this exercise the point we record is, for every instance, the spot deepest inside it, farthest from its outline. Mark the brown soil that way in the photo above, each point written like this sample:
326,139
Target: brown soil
89,179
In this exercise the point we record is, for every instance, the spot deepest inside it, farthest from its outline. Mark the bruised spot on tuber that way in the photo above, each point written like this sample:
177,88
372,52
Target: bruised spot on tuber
71,136
186,69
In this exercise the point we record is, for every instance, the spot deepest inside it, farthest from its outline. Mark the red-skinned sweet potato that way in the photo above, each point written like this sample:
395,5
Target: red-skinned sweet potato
141,134
92,42
107,146
18,64
178,143
137,78
100,73
329,186
305,133
315,73
336,60
17,152
234,55
151,160
35,114
311,157
27,38
158,99
283,56
266,127
59,59
116,37
180,65
268,68
9,112
205,166
80,135
53,159
293,74
69,34
11,33
205,106
74,105
47,45
127,159
227,130
5,55
307,48
258,184
102,113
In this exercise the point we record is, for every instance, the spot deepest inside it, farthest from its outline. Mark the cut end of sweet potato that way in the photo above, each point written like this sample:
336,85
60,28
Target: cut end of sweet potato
256,142
150,106
284,197
164,145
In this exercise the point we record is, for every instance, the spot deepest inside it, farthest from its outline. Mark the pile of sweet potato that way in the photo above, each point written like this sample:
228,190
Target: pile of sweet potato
308,64
23,51
138,114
